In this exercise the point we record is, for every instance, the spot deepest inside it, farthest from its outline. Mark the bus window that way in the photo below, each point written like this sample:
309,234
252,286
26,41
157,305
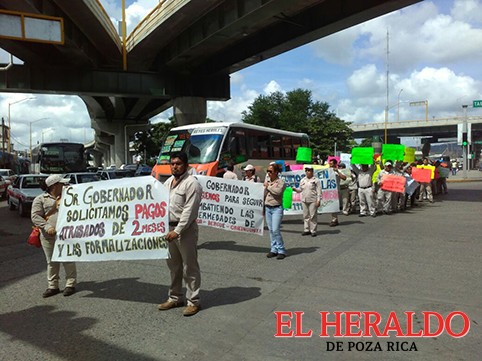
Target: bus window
287,150
263,141
275,146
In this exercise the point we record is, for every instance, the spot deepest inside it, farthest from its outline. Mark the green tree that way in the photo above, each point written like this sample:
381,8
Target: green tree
297,111
149,142
367,142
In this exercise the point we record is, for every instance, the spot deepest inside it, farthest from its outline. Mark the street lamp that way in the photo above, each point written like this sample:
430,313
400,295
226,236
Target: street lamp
33,121
10,129
398,105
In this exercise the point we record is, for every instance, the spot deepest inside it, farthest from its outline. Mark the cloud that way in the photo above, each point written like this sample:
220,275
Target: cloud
272,87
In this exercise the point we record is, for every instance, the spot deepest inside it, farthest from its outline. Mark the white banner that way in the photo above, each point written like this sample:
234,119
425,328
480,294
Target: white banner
121,219
232,205
330,202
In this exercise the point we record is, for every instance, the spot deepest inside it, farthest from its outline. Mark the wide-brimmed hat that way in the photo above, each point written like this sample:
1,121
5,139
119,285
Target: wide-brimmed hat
249,167
388,164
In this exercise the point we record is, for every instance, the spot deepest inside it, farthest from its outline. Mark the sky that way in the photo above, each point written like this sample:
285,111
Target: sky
434,52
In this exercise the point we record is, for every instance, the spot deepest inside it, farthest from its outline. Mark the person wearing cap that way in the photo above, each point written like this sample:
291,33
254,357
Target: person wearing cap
250,175
385,197
44,215
310,189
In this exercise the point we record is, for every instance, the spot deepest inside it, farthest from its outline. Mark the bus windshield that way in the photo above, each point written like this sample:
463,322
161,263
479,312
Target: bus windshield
61,158
201,145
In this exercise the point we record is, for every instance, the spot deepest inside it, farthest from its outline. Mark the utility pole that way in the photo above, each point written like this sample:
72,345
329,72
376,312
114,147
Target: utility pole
465,143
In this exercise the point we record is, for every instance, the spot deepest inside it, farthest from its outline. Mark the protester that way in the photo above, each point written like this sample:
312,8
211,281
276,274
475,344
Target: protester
250,175
442,180
44,215
343,190
273,202
352,191
229,174
184,199
333,164
267,177
310,189
365,189
407,172
425,187
384,197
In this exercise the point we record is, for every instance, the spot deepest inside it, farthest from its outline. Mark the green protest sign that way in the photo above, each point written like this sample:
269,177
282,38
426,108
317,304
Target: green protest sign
362,155
393,151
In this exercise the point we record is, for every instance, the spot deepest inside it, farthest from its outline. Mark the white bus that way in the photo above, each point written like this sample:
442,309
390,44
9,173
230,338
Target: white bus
212,146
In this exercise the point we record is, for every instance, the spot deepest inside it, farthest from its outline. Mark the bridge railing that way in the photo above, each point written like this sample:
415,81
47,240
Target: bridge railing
415,123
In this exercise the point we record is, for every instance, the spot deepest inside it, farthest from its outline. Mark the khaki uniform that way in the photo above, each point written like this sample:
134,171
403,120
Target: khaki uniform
384,197
310,189
184,201
365,190
42,205
344,191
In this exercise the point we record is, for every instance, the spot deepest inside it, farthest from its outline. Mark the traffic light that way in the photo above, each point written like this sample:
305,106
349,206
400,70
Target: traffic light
464,139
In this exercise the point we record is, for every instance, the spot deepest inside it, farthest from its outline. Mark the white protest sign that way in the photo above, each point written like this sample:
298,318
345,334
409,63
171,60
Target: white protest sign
232,205
121,219
329,190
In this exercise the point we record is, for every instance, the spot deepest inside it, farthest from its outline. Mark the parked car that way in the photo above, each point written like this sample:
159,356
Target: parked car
9,175
23,191
84,177
143,169
107,174
3,187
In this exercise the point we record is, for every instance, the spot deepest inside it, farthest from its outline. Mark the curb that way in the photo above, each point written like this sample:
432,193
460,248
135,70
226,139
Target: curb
464,180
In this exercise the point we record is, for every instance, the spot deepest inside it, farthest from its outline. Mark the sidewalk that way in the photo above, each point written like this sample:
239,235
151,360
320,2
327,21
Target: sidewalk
472,176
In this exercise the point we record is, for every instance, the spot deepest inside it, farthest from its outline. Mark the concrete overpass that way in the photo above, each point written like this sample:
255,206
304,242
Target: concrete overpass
181,54
436,128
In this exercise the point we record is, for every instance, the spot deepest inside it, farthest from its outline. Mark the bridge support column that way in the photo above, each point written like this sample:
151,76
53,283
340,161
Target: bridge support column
116,136
190,110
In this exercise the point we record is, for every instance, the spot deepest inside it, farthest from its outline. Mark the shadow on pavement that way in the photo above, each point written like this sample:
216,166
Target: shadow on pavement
232,246
130,289
59,333
460,195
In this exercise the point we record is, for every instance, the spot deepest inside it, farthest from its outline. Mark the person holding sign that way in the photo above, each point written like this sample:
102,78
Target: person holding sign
334,165
385,197
250,175
425,187
44,215
365,189
273,203
310,189
229,174
184,199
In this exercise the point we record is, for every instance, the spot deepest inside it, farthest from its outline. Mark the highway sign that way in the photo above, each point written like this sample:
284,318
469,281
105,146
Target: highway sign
415,104
477,103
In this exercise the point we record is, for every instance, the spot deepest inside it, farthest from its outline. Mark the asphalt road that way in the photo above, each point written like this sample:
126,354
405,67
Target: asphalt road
426,259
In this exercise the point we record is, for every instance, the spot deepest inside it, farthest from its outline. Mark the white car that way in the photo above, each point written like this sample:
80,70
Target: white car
23,191
9,175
